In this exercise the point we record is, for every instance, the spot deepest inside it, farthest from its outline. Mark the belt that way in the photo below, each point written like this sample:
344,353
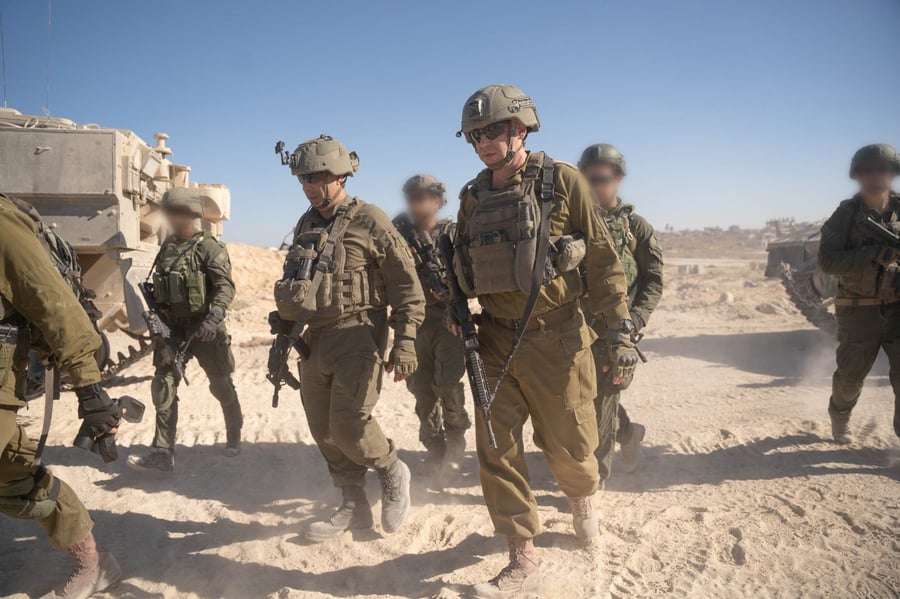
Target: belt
540,322
865,301
9,334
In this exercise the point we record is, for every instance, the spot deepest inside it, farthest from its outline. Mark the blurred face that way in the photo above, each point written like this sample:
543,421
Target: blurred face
423,205
318,186
874,176
493,142
604,180
181,222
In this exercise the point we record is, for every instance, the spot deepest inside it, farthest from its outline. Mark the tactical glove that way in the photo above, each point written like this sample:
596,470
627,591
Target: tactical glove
99,415
278,325
402,361
209,328
622,353
638,322
165,353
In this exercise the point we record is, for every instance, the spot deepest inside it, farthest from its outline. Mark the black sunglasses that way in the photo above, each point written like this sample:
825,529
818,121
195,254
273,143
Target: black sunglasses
873,169
311,177
492,132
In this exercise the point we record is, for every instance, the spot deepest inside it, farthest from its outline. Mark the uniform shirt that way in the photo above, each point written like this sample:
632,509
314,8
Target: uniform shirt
34,288
849,252
372,241
647,290
574,212
213,260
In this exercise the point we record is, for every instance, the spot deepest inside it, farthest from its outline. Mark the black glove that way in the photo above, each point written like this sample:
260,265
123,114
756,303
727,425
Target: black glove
278,325
99,415
209,328
638,321
622,352
165,353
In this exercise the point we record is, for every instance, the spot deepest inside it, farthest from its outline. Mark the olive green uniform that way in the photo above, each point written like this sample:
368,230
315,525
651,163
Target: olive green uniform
868,301
552,377
437,382
641,255
192,277
33,292
372,269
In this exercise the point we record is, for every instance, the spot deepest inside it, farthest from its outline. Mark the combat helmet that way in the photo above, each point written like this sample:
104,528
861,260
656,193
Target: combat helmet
885,152
603,154
496,103
427,183
184,198
323,153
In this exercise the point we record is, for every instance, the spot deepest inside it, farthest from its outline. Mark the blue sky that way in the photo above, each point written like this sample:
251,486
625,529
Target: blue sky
727,112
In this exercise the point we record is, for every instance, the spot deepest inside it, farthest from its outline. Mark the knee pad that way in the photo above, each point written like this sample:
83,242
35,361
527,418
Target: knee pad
17,501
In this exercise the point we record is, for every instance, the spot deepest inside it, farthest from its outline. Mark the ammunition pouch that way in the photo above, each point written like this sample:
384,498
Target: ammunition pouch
183,291
9,336
289,297
17,499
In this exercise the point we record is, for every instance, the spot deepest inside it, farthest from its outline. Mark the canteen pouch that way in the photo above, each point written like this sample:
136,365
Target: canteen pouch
160,288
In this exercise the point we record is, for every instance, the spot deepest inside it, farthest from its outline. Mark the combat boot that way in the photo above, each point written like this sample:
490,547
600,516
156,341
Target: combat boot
522,575
355,513
584,519
435,456
631,448
840,427
157,460
456,446
395,498
94,571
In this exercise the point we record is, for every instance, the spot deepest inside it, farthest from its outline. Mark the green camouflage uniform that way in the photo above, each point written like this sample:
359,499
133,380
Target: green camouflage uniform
183,269
372,269
552,378
868,301
33,292
437,382
638,248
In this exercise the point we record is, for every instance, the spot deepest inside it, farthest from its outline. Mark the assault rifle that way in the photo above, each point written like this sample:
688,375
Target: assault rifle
160,331
279,354
459,305
429,262
882,233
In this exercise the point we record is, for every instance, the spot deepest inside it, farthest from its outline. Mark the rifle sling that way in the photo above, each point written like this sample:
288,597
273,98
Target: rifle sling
537,271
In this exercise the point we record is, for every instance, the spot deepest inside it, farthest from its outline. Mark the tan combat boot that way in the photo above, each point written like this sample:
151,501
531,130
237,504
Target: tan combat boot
840,427
584,519
522,575
94,571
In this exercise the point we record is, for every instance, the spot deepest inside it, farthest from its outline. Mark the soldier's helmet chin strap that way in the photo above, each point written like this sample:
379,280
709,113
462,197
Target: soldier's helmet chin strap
510,153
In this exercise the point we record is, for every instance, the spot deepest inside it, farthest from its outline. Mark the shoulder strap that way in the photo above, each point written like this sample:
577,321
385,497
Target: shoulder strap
545,197
342,218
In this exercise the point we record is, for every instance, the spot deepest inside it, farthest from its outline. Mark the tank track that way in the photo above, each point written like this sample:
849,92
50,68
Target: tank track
803,294
110,373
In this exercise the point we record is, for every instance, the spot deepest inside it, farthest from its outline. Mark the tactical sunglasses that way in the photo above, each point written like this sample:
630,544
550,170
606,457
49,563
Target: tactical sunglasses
312,177
601,180
873,169
492,132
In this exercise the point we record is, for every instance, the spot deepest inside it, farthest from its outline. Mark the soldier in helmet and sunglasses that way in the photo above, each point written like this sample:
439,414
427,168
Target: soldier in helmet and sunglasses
603,165
867,264
525,224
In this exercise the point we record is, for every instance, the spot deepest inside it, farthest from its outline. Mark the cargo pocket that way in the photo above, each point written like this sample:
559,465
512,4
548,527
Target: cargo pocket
580,387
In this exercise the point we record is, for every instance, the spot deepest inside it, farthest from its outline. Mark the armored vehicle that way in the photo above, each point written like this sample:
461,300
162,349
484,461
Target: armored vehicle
793,259
100,189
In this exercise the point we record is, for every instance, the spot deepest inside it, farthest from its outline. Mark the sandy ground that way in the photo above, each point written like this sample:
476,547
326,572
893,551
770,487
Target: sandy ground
740,493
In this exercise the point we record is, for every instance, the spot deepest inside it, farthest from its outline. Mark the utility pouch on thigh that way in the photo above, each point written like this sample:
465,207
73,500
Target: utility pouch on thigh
177,288
16,500
195,285
289,297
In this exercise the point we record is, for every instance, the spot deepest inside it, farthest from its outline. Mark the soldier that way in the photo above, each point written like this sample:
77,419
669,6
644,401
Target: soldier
36,302
437,383
635,241
508,217
192,287
868,269
348,263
